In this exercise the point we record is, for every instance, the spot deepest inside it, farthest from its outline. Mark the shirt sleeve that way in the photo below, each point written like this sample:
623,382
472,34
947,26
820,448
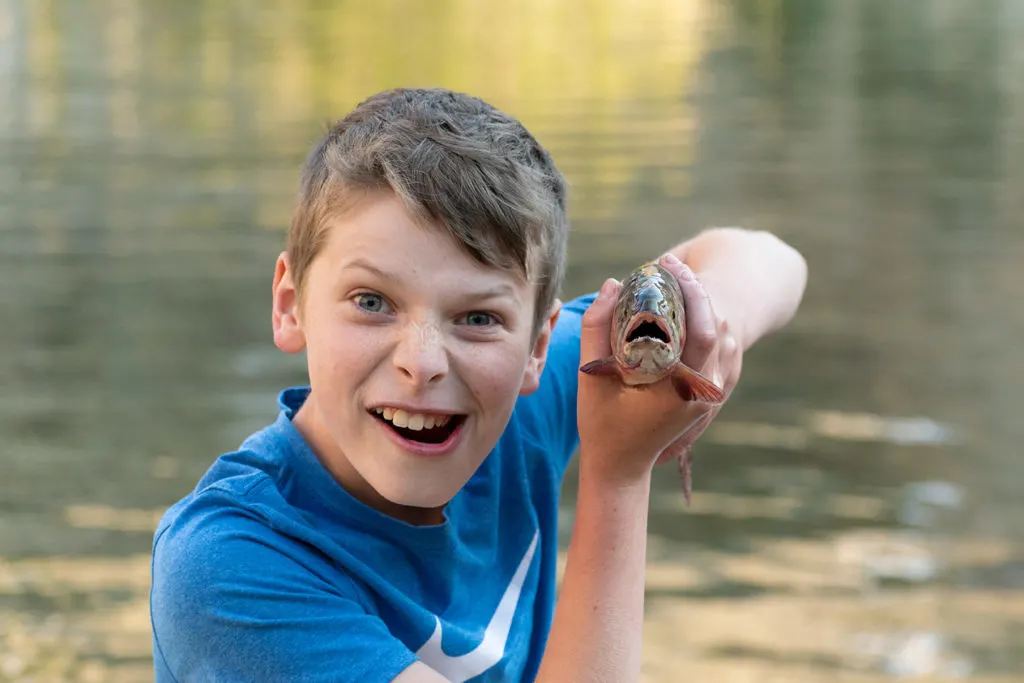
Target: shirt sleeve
230,603
551,410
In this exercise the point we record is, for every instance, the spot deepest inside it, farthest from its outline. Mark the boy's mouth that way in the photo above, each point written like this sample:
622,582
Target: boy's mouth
420,427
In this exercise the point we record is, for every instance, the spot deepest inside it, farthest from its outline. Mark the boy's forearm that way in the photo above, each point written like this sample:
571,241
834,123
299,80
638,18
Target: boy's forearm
755,280
598,622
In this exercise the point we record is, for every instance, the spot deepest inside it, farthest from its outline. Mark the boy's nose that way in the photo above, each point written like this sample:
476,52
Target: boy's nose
420,355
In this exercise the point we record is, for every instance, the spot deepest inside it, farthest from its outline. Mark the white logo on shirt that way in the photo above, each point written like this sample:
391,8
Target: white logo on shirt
492,648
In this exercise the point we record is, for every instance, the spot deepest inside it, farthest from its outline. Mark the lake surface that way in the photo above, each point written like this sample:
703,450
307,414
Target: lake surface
859,506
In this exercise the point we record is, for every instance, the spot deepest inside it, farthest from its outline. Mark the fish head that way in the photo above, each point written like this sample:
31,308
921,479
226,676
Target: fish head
649,331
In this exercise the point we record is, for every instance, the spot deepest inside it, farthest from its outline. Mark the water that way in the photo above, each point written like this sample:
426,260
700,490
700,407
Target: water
858,504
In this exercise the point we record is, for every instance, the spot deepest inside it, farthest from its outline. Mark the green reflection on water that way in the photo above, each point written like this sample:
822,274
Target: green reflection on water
148,154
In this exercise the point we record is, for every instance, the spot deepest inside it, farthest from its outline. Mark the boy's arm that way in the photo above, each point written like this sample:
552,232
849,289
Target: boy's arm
596,632
755,280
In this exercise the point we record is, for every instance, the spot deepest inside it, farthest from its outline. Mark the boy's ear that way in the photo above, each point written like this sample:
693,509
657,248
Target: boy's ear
288,334
539,355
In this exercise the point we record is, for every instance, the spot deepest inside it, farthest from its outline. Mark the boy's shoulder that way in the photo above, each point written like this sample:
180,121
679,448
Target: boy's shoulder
268,492
236,480
240,502
239,570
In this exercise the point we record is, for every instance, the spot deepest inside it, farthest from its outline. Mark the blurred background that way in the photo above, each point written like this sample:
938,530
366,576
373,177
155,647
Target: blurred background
859,505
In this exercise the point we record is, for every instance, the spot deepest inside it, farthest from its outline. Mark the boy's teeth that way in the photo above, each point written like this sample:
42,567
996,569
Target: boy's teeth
413,421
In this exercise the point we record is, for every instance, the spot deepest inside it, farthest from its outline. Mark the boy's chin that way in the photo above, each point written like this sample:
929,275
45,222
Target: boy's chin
423,502
420,495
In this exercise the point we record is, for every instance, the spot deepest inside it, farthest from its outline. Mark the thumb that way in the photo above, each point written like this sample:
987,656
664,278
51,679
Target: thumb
595,335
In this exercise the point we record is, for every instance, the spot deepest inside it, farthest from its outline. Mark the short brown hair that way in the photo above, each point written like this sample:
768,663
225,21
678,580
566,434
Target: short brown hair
454,160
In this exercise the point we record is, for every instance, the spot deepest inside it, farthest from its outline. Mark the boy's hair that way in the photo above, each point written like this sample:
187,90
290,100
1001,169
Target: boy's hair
454,160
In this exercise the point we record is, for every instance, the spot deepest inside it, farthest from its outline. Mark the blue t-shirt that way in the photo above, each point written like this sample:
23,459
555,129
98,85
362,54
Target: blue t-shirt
270,571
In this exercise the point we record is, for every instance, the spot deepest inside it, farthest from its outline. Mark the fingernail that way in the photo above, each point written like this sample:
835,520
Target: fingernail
607,288
687,274
671,259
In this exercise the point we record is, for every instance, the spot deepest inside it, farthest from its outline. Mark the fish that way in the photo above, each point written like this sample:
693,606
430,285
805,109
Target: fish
647,339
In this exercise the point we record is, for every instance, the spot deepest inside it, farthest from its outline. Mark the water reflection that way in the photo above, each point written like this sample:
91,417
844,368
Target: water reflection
857,509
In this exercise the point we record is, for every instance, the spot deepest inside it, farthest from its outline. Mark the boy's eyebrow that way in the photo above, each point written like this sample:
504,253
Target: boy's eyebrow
498,290
363,264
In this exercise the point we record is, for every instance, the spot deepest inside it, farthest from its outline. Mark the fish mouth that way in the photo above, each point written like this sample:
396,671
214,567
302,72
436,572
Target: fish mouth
648,326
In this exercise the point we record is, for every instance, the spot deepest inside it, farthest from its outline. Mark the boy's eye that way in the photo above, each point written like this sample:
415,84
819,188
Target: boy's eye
371,303
480,319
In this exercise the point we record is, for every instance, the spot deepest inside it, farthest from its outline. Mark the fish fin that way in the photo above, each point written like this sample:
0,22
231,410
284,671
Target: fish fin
693,386
673,451
601,366
685,463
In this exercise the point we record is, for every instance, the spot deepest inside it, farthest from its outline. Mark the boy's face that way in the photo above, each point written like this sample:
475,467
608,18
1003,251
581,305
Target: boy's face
404,330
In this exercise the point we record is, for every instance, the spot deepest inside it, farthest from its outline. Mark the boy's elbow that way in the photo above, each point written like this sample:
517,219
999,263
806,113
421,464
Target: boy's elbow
775,269
765,272
759,246
789,268
768,246
790,261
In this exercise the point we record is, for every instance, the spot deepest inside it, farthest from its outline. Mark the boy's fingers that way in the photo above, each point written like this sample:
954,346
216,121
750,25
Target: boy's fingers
701,321
701,333
595,336
672,264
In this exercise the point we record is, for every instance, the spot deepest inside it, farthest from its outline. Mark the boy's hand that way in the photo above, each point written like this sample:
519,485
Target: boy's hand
624,429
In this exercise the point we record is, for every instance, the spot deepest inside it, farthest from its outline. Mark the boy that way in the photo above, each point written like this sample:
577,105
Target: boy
398,521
